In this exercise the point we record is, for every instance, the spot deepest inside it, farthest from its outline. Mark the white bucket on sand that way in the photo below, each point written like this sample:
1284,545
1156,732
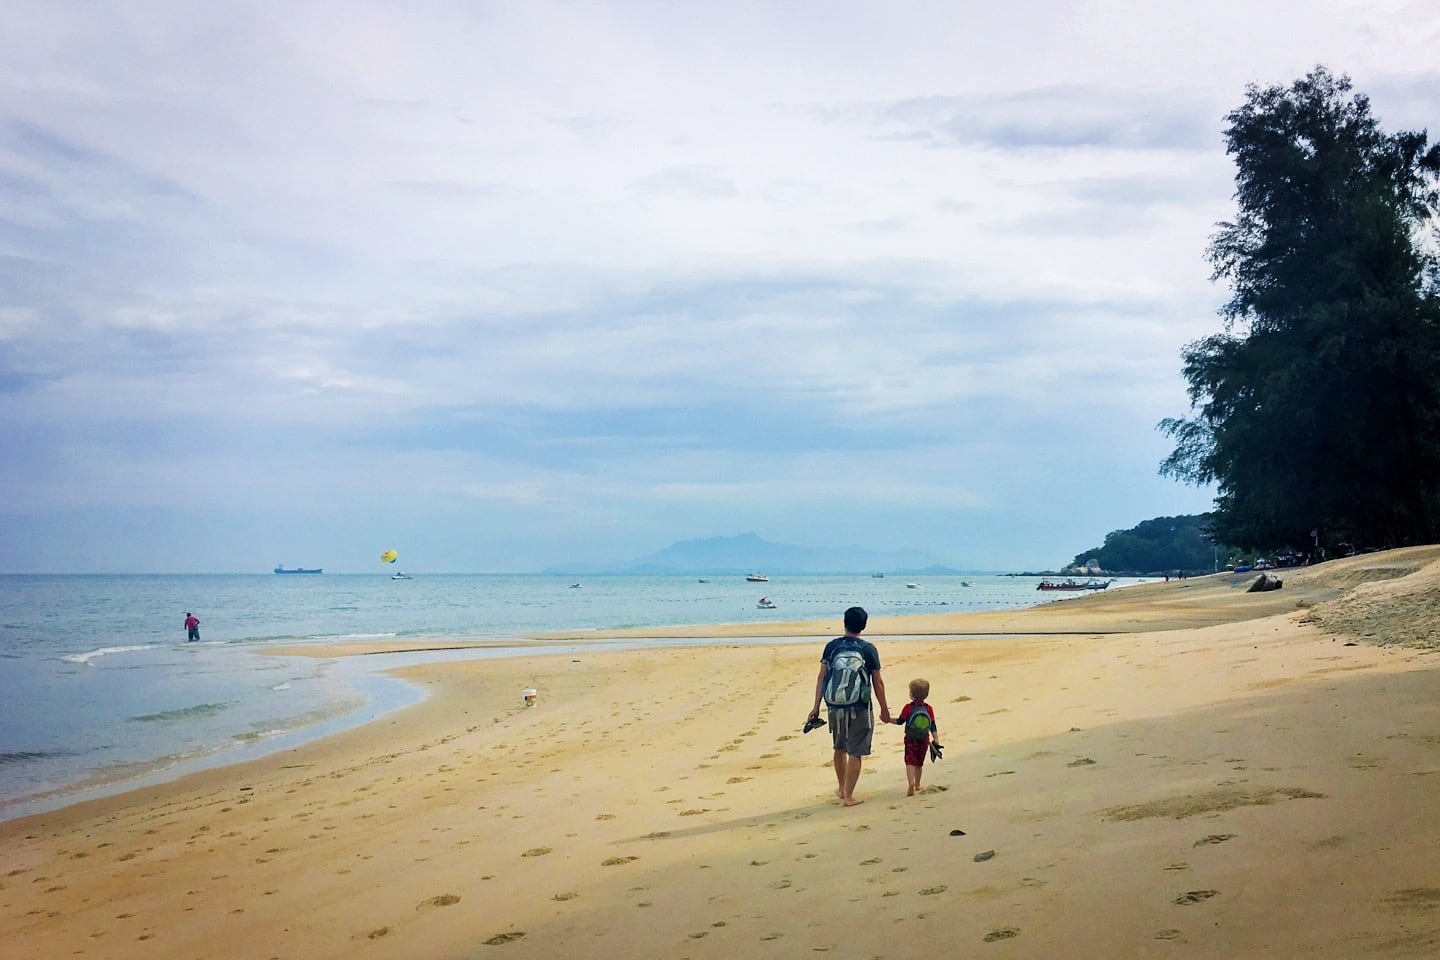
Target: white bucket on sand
528,695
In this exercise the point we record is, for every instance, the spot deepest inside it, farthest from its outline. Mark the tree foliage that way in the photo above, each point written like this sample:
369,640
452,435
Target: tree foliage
1318,406
1153,546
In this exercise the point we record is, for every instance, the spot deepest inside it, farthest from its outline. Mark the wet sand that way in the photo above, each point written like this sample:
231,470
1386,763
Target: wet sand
1176,770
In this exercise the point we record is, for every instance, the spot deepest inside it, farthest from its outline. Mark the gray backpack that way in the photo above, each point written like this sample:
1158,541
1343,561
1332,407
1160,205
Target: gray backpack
847,678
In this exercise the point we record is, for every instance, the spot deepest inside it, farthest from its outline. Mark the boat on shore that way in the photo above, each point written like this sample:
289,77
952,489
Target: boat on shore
1073,584
757,578
283,569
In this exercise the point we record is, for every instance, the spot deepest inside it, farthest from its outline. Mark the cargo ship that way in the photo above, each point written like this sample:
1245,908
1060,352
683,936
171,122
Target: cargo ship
282,569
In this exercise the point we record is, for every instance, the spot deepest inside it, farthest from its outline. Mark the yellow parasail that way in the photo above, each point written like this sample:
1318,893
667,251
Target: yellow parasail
389,556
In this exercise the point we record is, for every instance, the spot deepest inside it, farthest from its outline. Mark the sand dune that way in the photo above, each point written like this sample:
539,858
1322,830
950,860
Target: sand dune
1177,770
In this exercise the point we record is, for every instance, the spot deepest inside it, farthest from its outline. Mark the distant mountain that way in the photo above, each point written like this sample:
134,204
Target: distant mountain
747,553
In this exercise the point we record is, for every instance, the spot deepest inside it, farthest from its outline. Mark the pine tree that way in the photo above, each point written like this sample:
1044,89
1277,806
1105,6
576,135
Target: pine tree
1318,406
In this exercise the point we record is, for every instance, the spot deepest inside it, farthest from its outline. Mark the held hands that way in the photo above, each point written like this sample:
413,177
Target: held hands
885,716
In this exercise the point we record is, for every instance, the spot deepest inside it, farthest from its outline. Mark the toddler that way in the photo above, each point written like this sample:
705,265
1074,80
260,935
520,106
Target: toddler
918,719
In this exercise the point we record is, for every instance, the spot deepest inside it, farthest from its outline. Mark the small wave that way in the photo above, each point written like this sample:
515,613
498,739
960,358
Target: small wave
104,652
281,686
254,735
185,713
25,756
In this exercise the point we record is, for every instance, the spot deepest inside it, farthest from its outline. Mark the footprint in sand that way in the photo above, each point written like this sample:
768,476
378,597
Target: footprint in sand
444,900
1195,896
1004,933
536,852
1214,838
617,861
500,938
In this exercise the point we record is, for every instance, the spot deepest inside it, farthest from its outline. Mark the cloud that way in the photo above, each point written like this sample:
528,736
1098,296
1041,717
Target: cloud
1055,118
693,181
580,281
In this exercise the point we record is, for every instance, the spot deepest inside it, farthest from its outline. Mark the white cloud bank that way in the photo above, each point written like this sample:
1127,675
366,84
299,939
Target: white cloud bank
521,284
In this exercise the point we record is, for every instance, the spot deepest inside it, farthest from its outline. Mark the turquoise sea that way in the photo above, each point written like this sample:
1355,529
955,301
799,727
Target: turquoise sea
99,690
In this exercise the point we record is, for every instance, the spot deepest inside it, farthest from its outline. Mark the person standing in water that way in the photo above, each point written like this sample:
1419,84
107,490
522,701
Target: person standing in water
192,627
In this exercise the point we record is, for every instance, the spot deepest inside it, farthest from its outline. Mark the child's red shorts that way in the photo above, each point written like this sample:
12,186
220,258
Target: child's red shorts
915,751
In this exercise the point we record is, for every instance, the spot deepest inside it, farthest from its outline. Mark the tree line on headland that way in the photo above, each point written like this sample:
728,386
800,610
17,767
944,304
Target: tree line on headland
1159,546
1316,411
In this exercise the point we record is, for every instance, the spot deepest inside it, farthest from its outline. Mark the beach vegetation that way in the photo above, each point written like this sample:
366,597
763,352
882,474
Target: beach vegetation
1316,410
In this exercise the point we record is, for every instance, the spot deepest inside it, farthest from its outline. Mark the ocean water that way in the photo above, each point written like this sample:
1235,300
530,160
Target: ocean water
100,692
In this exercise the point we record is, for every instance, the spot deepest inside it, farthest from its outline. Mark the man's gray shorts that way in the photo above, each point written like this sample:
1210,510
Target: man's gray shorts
852,728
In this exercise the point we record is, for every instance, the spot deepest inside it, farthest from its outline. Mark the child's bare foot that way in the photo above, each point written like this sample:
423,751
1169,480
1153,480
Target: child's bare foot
910,792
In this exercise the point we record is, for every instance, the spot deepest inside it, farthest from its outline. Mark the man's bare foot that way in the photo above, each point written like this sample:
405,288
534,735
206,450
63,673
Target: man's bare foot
851,802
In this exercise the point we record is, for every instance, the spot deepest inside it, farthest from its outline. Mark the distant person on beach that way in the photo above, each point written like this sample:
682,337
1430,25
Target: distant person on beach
192,627
849,672
918,719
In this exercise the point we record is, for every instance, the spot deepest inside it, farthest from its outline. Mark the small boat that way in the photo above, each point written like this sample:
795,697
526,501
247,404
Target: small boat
402,575
1097,584
574,586
877,576
912,586
1060,585
757,578
765,603
964,583
282,569
703,580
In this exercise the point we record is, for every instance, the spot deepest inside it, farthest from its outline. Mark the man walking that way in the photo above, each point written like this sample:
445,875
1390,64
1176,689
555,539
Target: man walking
849,671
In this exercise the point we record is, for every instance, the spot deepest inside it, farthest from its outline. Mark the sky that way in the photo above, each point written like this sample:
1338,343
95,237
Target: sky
510,285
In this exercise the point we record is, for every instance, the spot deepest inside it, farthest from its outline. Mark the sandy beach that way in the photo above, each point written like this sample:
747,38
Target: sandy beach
1175,769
